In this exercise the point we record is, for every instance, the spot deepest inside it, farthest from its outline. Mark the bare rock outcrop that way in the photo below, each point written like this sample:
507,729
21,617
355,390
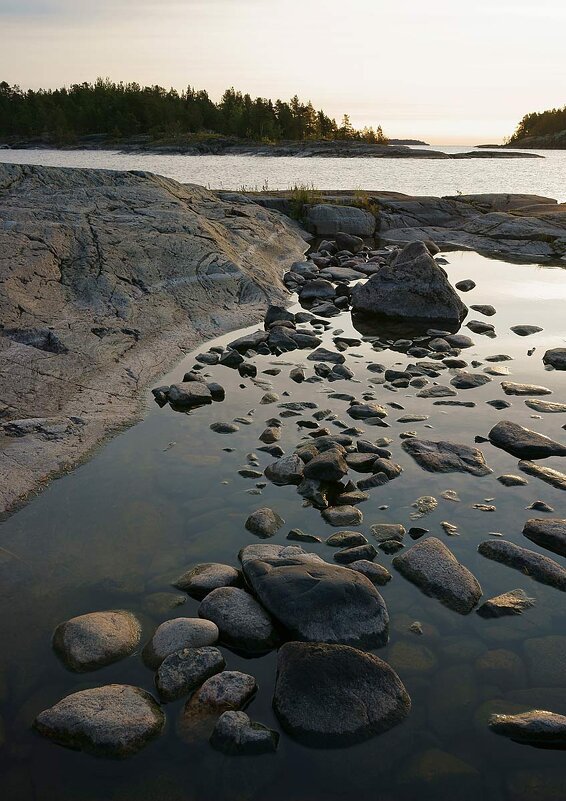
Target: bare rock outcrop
107,279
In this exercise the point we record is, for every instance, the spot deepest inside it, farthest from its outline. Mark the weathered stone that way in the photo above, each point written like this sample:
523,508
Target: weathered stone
538,567
349,555
188,395
223,692
264,522
242,623
546,407
316,601
176,634
327,219
464,380
466,285
183,671
373,571
368,410
549,533
342,515
547,474
537,727
333,695
383,532
412,286
514,602
556,357
346,539
446,457
236,734
435,570
327,466
512,388
510,480
116,720
91,641
524,443
203,578
287,470
525,330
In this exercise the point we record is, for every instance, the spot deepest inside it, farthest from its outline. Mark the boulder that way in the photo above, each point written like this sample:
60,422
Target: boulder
330,696
556,357
176,634
97,639
318,602
229,690
514,602
342,516
538,727
326,219
524,443
203,578
327,466
446,457
116,720
547,474
242,623
188,395
287,470
264,522
435,570
413,287
236,734
182,672
538,567
549,533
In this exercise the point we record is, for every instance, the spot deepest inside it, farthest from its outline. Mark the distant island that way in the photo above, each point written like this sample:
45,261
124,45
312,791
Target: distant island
544,130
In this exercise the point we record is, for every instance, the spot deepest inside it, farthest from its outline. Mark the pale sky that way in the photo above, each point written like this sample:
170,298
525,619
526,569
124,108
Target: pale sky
447,71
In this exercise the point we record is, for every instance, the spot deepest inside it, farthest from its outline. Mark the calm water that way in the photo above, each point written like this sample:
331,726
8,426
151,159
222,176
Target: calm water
419,177
163,496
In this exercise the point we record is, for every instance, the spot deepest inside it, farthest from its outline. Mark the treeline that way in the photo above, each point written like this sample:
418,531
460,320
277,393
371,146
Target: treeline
541,123
121,110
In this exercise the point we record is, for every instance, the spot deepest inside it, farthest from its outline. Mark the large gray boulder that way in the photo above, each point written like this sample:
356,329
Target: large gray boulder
435,570
524,443
548,533
329,696
556,357
97,639
116,720
326,219
446,457
412,287
316,601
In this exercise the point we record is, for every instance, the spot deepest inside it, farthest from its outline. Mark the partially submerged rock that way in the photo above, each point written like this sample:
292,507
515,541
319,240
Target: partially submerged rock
229,690
549,533
176,634
547,474
556,357
202,579
512,388
264,522
316,601
538,567
330,696
97,639
236,734
435,570
116,720
538,727
413,287
446,457
514,602
242,623
524,443
182,672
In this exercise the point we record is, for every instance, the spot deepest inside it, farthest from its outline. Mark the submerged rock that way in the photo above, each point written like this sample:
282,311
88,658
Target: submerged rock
316,601
116,720
514,602
97,639
524,443
236,734
330,696
342,515
538,727
413,286
264,522
435,570
229,690
176,634
549,533
373,571
538,567
446,457
547,474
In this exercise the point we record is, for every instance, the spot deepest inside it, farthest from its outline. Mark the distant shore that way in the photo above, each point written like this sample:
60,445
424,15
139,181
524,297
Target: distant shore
226,146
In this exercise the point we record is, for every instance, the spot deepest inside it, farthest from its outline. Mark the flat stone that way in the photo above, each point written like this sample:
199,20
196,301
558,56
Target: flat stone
446,457
363,411
538,567
512,388
224,428
546,407
333,695
300,536
538,727
325,355
116,720
316,601
346,539
373,571
203,578
349,555
514,602
525,330
436,391
435,570
189,394
342,515
91,641
264,522
464,380
466,285
243,624
383,532
549,533
236,734
524,443
174,635
509,480
486,309
184,671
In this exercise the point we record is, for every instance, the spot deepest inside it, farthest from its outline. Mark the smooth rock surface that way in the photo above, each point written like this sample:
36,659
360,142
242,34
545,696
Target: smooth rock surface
538,567
97,639
242,623
548,532
177,634
538,727
203,578
524,443
446,457
236,734
183,671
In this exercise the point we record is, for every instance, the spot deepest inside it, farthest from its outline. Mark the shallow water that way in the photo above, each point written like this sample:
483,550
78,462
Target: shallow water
164,495
413,176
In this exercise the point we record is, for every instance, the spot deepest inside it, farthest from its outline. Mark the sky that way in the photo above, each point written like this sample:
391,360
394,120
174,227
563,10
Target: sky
446,71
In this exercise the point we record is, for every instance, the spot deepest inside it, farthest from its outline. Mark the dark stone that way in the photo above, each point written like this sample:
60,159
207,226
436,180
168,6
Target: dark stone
524,443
